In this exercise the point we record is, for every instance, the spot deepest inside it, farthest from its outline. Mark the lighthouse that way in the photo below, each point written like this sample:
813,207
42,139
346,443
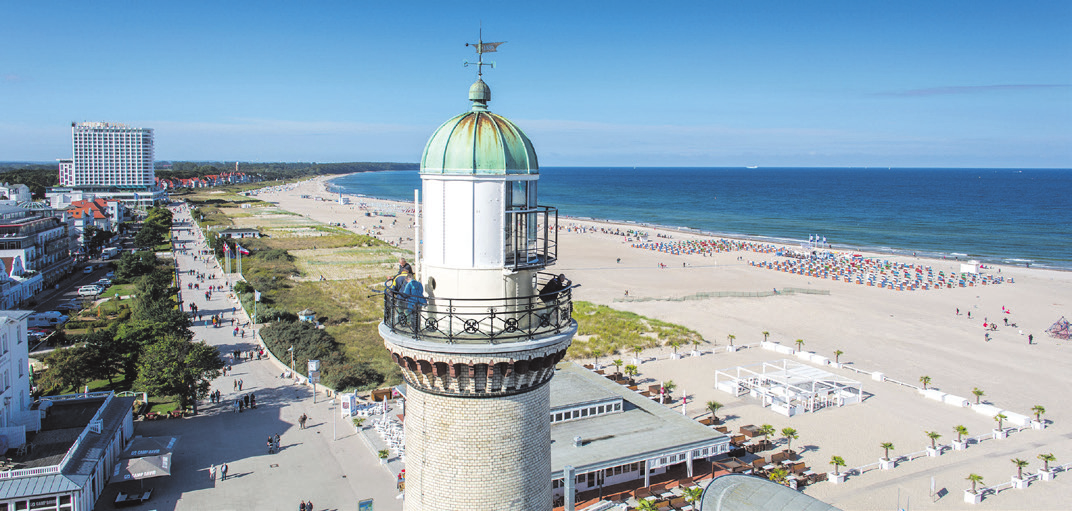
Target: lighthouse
478,346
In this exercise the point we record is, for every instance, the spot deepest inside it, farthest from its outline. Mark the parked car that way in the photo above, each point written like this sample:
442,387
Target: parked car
47,319
104,282
88,269
90,290
70,305
110,274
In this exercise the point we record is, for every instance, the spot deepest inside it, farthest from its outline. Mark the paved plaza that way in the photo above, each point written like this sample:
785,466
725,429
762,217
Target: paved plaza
332,473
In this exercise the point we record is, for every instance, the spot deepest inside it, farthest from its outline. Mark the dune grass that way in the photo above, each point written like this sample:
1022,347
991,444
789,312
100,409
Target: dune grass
605,331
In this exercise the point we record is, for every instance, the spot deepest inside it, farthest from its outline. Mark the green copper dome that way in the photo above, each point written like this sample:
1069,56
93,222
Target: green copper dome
479,142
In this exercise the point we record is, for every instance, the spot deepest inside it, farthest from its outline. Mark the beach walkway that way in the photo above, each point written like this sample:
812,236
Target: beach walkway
311,466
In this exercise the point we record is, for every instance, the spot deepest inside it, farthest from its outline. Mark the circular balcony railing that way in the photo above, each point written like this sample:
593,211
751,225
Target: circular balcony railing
478,321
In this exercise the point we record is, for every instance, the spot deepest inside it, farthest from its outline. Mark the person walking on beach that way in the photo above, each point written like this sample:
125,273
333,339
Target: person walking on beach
212,473
223,472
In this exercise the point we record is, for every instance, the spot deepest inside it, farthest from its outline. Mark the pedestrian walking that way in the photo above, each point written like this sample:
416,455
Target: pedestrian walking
301,507
309,506
235,384
212,472
239,385
223,472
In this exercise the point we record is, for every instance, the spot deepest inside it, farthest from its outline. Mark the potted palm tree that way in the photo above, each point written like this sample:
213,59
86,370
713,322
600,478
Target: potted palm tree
695,348
1019,482
1038,423
631,371
618,366
959,444
978,394
837,357
692,494
383,454
934,450
636,354
667,393
765,431
778,475
730,338
972,496
836,477
925,380
800,344
675,344
1045,473
713,406
1000,432
885,463
766,335
596,353
789,434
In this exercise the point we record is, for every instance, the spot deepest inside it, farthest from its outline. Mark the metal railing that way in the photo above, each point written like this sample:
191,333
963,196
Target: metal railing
479,320
533,237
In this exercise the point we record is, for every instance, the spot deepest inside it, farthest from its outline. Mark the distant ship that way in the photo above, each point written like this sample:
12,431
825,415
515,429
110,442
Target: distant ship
752,167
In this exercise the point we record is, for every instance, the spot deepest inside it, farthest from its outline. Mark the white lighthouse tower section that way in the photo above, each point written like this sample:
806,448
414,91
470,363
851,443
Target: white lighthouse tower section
467,235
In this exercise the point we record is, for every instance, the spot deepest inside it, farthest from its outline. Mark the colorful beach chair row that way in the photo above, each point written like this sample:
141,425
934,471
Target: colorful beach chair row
704,247
878,273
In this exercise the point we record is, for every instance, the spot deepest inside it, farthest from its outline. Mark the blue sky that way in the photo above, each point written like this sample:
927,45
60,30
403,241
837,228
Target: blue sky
716,83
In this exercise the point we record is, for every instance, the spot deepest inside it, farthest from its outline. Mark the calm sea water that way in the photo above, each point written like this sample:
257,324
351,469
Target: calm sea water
1000,216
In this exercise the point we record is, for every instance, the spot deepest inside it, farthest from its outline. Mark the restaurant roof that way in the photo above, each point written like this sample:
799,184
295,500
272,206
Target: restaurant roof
643,430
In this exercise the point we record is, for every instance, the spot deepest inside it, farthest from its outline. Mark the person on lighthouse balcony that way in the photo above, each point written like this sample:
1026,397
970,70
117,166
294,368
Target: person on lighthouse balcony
413,294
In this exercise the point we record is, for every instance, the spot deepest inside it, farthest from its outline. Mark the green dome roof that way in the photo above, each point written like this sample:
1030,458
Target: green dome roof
479,142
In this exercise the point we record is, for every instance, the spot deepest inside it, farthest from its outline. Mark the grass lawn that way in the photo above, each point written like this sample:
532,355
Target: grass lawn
605,331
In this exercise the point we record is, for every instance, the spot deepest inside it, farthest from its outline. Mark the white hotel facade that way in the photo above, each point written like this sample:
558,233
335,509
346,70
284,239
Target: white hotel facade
109,160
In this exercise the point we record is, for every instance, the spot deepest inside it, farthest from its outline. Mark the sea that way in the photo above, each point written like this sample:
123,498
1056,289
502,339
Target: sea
996,216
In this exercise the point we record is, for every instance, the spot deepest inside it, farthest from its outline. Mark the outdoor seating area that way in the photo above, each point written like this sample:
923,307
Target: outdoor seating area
393,434
132,499
668,495
789,387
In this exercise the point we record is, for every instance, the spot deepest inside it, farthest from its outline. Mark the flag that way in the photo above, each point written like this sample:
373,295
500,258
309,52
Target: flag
256,296
241,250
226,248
483,47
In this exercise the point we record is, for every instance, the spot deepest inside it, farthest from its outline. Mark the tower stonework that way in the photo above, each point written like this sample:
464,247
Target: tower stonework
478,345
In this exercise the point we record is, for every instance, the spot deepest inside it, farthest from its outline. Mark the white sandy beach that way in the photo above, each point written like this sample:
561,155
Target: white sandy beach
904,334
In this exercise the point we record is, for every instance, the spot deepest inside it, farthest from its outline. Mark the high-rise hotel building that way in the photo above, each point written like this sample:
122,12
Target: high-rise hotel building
107,154
109,160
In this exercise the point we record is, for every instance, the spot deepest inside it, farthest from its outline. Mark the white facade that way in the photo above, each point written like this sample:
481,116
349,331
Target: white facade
107,154
15,398
15,192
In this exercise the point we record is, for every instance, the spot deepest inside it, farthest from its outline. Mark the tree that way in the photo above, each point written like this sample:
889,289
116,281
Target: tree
975,478
713,406
1000,418
647,505
978,394
837,461
675,344
1020,464
1046,459
800,344
766,430
837,356
176,367
631,370
925,380
886,446
618,365
596,353
960,431
692,494
766,335
133,265
68,368
1038,410
778,475
934,436
668,388
105,354
636,352
730,338
790,434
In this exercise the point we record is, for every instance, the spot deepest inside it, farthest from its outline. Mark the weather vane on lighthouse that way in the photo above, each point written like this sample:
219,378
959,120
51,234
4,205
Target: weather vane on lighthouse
481,49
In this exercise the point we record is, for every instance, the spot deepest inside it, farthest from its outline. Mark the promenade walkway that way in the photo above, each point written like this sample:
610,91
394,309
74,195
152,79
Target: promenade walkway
311,466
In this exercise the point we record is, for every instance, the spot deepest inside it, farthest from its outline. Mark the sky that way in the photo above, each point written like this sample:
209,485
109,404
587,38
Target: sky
711,83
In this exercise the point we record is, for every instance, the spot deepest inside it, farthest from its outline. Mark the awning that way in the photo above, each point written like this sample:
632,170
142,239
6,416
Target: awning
142,446
146,467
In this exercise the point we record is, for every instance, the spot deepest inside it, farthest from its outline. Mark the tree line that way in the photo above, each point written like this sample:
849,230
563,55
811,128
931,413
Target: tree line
274,171
153,349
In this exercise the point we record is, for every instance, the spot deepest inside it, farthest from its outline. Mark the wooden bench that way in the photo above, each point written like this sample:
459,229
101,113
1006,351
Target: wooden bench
132,499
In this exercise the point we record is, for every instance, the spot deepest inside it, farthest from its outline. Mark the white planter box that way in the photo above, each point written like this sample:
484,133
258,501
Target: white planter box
887,464
675,356
1020,484
1000,434
934,451
1046,475
972,498
877,376
731,349
960,445
1038,425
836,478
638,361
696,353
